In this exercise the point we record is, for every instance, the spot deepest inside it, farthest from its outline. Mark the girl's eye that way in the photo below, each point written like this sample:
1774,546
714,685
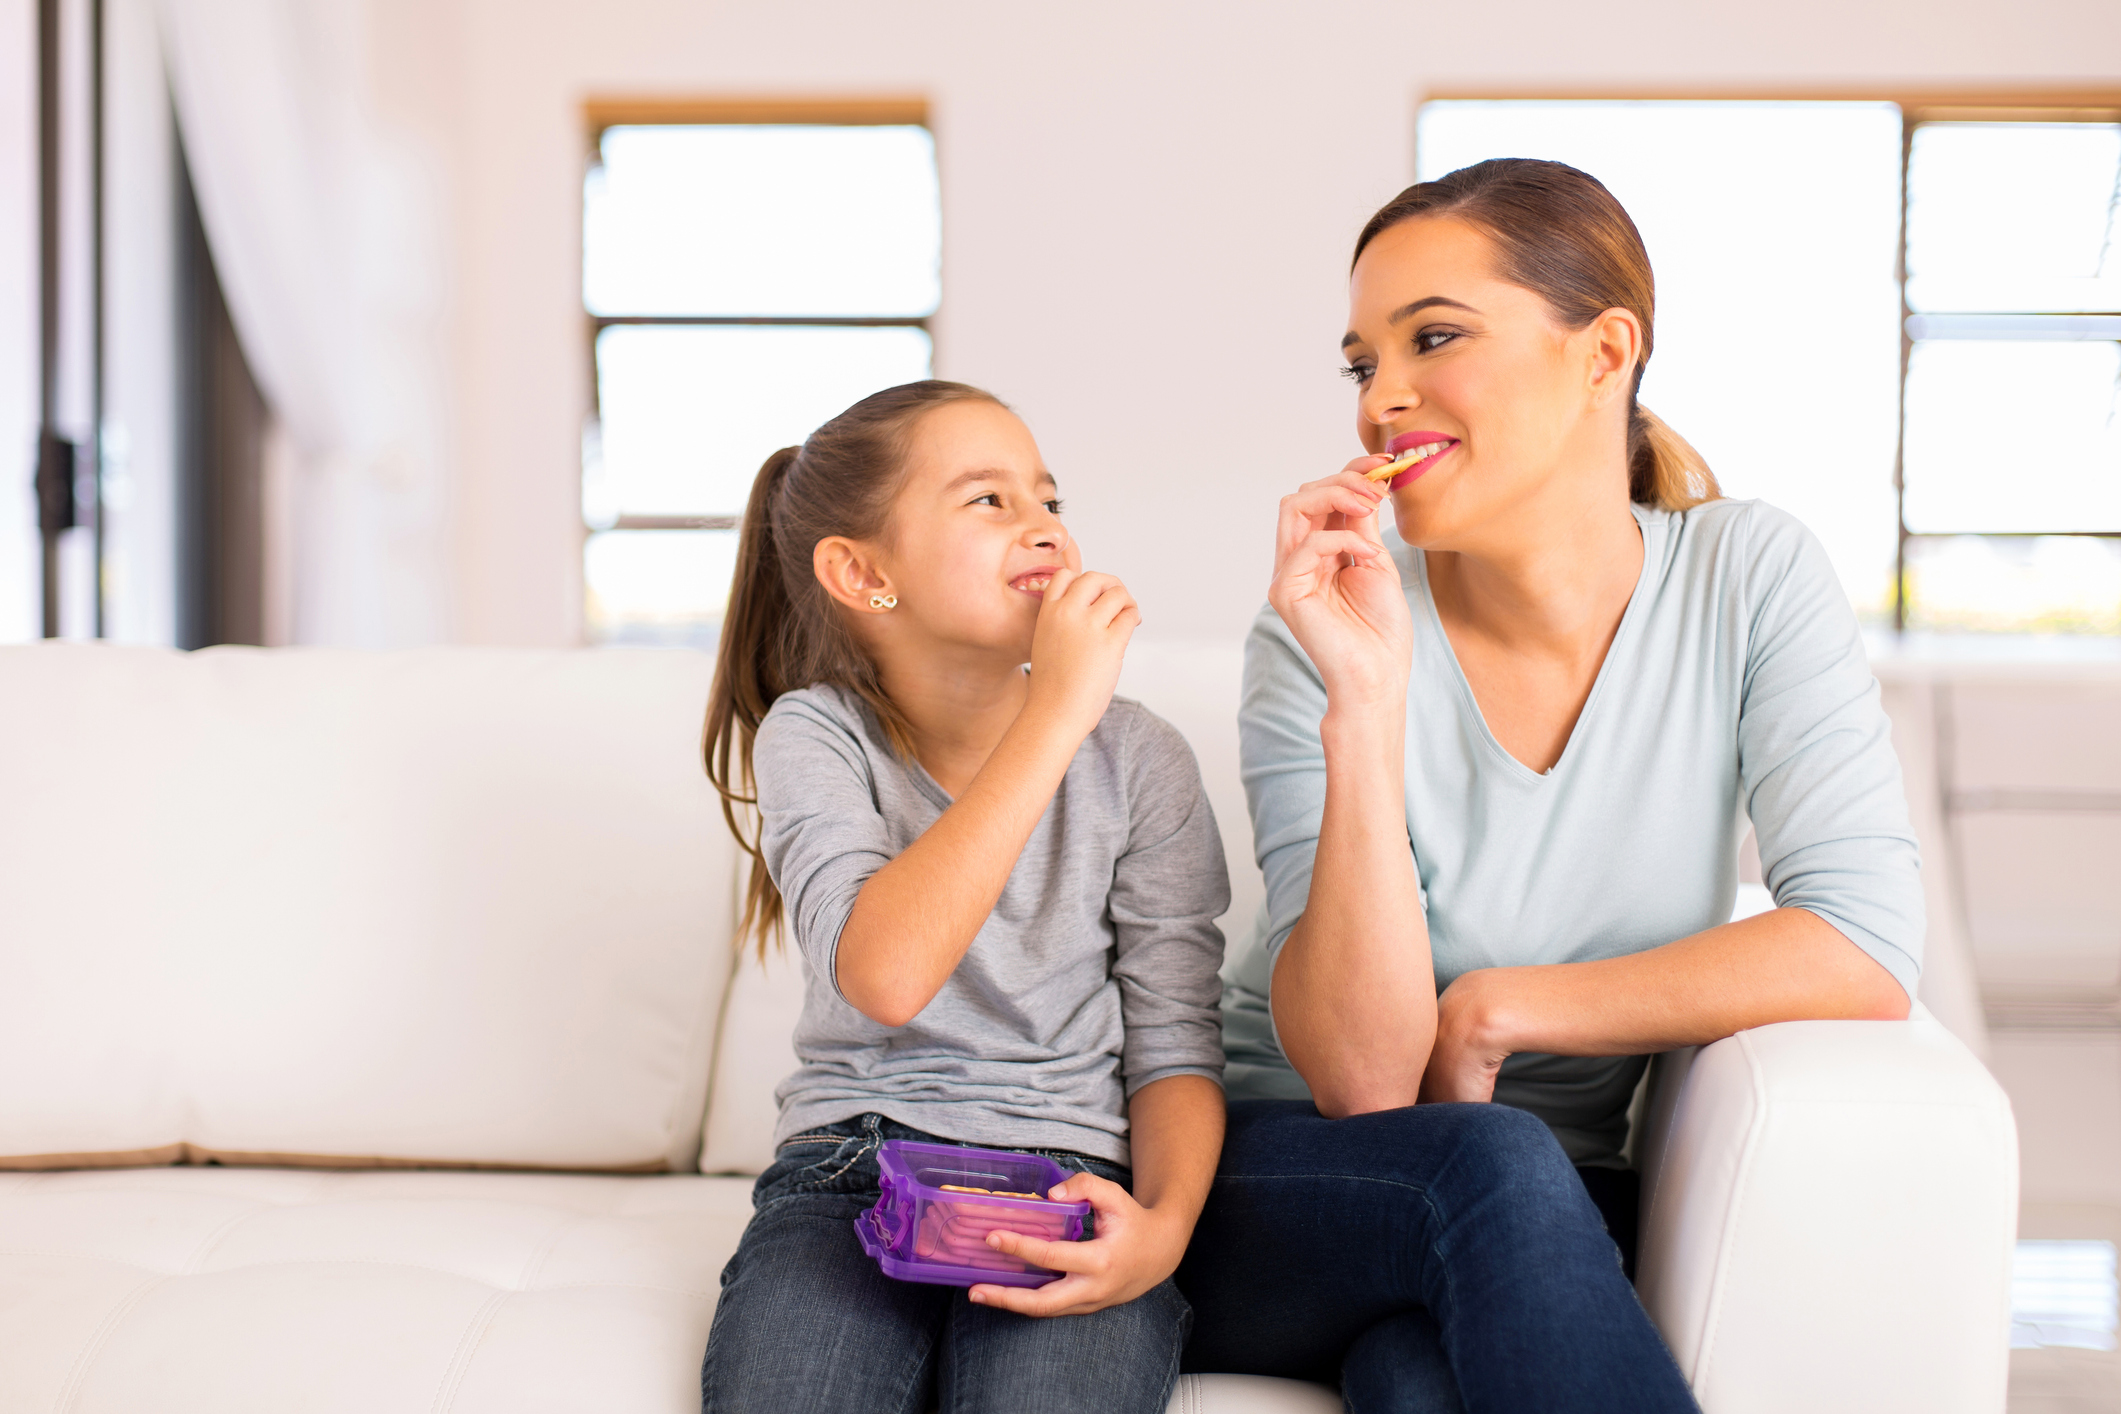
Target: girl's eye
1054,506
1430,340
1358,373
992,498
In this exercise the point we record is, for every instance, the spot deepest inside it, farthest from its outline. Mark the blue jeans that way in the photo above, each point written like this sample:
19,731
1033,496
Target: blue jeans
808,1324
1428,1260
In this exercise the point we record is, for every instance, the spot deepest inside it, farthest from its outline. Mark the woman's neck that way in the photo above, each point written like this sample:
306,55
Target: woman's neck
958,706
1550,577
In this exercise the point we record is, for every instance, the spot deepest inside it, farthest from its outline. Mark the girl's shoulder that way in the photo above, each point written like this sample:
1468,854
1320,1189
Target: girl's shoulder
820,718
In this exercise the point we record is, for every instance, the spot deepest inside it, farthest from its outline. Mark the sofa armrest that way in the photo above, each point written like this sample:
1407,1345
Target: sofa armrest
1828,1217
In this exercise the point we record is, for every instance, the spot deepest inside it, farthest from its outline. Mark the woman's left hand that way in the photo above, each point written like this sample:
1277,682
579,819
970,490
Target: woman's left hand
1135,1248
1469,1052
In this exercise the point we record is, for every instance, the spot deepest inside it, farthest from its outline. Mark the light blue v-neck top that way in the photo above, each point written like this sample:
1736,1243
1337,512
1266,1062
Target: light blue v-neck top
1737,687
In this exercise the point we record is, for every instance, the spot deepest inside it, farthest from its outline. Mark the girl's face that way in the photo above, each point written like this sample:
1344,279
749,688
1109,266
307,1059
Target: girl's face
1445,354
975,532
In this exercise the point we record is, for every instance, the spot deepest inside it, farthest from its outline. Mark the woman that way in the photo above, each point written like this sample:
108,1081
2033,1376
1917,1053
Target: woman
1562,683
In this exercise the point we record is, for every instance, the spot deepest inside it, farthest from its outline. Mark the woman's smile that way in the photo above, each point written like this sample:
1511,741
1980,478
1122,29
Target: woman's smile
1426,447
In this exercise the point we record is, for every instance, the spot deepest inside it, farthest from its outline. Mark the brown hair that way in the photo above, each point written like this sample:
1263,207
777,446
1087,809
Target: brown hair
1560,234
782,631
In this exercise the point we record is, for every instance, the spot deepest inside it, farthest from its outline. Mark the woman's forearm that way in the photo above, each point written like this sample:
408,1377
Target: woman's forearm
916,916
1354,992
1785,965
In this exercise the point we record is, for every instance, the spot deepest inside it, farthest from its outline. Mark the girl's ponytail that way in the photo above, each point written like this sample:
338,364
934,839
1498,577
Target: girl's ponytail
781,631
1664,470
745,686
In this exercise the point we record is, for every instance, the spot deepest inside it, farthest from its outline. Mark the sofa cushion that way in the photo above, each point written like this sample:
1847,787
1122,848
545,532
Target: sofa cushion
257,1291
231,1290
466,907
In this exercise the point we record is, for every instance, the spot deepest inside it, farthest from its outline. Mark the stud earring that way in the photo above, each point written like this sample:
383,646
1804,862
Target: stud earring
883,601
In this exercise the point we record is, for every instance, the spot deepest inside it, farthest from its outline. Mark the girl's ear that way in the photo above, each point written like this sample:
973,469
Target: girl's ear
849,573
1616,347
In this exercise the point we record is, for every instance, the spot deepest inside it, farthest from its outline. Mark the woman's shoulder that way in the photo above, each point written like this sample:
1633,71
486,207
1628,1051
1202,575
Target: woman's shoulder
1749,544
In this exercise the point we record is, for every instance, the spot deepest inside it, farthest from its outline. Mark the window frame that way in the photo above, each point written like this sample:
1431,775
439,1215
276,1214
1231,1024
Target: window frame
600,114
1917,106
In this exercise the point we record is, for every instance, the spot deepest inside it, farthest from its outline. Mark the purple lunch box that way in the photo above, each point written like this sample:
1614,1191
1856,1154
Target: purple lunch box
939,1202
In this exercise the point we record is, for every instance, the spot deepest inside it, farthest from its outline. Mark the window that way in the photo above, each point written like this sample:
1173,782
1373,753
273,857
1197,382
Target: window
748,271
1896,321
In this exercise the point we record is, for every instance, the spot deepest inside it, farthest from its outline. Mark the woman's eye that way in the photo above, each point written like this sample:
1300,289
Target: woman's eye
1430,340
1359,373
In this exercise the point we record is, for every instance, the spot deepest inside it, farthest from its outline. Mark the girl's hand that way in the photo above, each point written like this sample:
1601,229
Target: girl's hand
1339,592
1078,646
1135,1248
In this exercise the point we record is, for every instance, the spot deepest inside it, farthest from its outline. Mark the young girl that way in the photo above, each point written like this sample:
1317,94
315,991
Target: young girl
1002,883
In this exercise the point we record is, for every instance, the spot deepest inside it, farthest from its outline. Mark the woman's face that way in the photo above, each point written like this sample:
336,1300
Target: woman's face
1527,415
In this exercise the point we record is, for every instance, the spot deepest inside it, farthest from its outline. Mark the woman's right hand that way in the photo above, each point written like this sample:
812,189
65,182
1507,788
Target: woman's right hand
1339,591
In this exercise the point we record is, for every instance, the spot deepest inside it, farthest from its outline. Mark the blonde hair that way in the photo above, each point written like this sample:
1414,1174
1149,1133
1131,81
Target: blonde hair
1560,234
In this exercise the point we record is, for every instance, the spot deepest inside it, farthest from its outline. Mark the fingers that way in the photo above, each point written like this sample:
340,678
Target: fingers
1308,507
1322,551
1067,1297
1101,1194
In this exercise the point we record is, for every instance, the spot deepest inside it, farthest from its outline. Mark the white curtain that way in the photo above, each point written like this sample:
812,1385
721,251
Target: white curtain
326,234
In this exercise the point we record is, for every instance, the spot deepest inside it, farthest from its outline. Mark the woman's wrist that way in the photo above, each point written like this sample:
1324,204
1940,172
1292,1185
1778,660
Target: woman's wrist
1479,1011
1365,725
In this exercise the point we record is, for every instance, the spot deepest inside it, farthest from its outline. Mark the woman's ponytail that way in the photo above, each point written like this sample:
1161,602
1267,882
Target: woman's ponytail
1664,470
745,684
781,631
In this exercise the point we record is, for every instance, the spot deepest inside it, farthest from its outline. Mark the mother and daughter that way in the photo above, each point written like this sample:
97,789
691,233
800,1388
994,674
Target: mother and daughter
1496,763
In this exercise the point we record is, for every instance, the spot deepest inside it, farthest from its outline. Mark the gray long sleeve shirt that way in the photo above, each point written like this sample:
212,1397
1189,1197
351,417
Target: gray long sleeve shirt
1735,688
1094,975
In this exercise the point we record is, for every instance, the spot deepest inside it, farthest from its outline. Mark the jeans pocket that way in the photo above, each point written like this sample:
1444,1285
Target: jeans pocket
820,1162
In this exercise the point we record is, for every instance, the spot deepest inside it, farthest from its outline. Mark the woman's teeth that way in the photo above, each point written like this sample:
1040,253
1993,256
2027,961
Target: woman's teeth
1411,457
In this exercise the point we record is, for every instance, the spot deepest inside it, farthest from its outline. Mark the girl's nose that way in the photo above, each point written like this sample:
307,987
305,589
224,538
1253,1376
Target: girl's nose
1046,532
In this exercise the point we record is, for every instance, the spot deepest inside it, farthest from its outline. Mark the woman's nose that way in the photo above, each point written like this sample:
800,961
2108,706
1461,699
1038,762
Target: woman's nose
1386,402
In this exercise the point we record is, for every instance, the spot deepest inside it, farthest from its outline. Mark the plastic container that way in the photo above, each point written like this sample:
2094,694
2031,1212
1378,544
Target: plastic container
939,1202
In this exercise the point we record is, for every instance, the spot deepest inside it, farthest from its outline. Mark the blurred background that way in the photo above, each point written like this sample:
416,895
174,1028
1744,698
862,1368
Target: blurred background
387,323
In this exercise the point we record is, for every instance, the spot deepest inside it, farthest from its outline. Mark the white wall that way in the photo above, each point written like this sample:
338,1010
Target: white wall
1148,209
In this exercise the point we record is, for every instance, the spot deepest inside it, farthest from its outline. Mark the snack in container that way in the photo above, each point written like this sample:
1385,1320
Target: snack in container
939,1201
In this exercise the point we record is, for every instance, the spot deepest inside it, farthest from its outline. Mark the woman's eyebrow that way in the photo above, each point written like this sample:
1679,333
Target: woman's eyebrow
1408,311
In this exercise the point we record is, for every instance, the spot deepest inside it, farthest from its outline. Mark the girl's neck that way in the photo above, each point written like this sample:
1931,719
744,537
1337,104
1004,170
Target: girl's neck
958,706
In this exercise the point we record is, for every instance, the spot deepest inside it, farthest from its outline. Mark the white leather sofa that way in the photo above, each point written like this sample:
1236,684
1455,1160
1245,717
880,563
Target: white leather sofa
371,1041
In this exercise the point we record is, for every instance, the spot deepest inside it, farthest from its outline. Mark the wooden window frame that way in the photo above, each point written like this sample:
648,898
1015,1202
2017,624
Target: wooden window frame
1917,106
599,114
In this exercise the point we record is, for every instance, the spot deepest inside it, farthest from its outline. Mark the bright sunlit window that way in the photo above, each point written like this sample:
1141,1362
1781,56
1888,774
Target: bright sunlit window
1951,437
744,280
2063,1293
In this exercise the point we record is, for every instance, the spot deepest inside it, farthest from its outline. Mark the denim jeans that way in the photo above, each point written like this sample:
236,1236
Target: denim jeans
808,1324
1429,1260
